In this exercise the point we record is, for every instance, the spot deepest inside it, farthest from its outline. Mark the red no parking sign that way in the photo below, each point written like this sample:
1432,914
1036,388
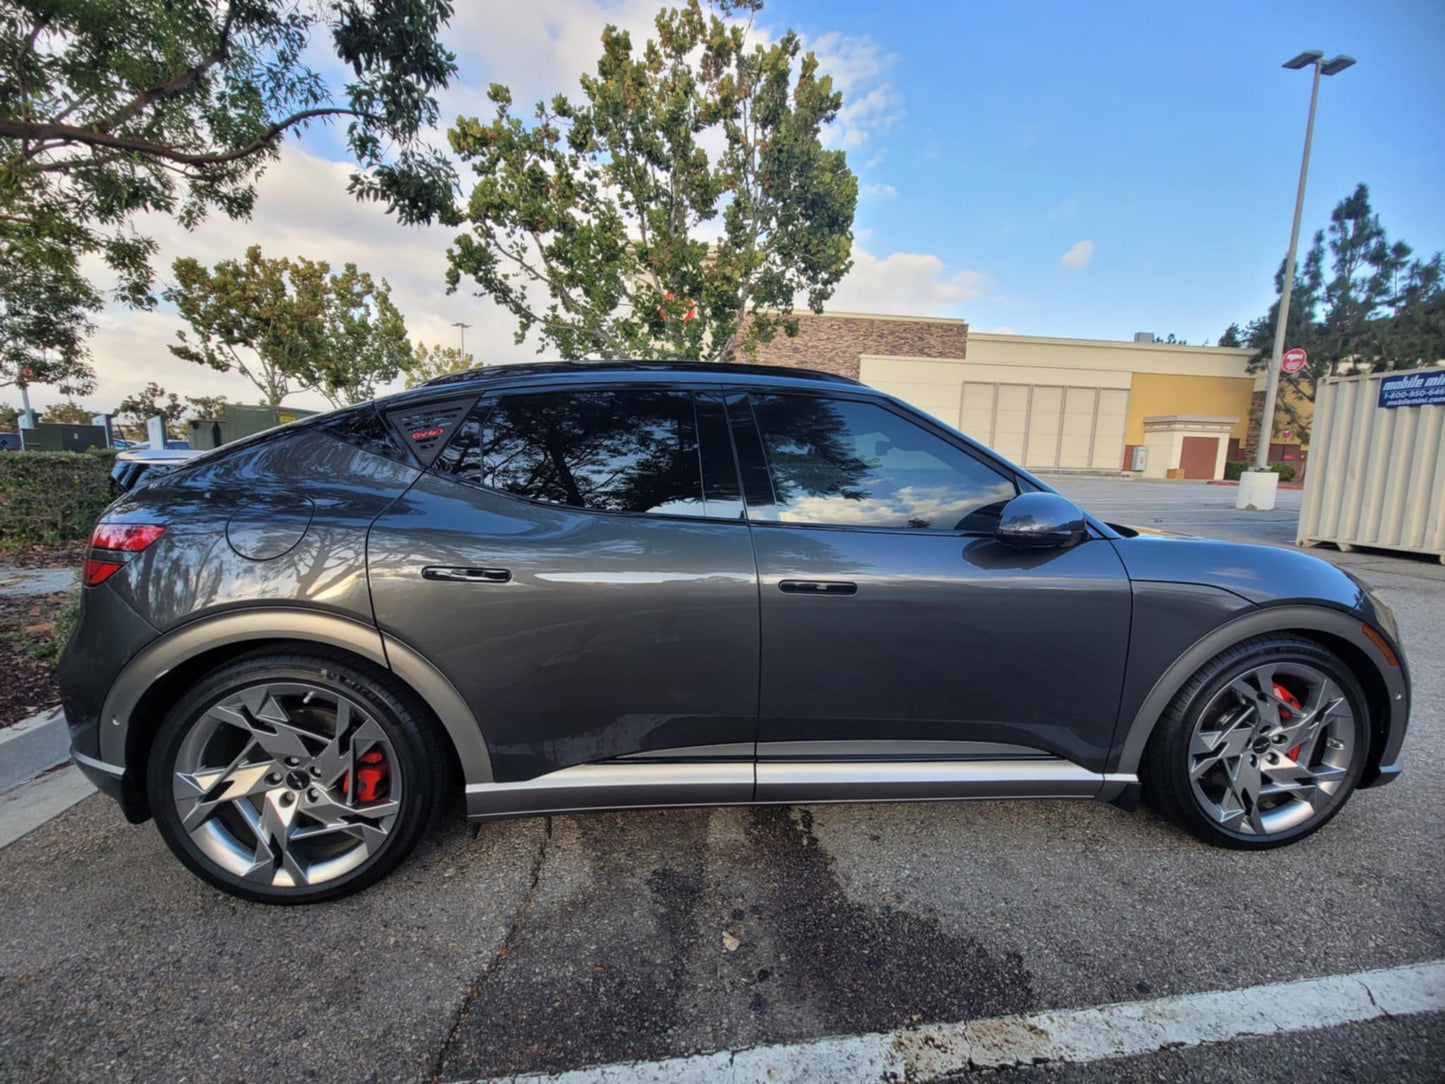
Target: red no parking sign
1294,360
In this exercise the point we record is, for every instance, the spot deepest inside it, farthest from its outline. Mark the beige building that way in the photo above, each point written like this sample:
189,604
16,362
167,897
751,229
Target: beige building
1048,403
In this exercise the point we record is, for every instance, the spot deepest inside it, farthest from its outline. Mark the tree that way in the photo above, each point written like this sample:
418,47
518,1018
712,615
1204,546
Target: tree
288,324
261,317
676,210
1366,306
9,418
366,341
206,406
68,414
110,110
45,307
438,361
135,410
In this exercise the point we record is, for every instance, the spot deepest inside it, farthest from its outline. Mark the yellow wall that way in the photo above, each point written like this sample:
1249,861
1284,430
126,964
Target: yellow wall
1151,394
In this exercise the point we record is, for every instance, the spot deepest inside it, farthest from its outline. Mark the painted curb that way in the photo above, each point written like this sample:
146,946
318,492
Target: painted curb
32,746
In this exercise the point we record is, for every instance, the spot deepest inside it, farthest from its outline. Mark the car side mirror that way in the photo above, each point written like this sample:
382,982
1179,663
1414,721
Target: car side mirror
1034,521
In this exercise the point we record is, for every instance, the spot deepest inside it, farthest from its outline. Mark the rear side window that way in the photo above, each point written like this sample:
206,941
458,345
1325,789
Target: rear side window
628,450
843,463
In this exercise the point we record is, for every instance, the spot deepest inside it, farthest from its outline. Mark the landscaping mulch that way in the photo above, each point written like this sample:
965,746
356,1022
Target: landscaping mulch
55,555
28,655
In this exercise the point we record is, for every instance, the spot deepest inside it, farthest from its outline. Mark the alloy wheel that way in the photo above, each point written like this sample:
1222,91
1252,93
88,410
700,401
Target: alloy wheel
287,784
1272,749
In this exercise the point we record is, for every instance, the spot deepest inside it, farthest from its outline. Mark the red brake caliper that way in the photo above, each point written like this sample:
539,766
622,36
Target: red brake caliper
1290,699
371,777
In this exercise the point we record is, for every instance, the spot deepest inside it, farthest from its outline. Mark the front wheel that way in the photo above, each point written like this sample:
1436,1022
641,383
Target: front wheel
1262,747
292,778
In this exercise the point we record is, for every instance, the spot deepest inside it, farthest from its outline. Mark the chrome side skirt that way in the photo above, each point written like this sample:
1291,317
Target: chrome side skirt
641,784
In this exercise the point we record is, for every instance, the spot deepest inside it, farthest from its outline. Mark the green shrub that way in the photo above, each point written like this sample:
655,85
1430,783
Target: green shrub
50,497
1233,468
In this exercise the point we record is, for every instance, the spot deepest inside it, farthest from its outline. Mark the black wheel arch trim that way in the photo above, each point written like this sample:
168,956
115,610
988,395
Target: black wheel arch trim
1305,620
303,626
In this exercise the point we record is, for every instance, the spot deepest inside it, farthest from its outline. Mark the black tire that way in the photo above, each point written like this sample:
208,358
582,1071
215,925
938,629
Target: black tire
413,736
1166,763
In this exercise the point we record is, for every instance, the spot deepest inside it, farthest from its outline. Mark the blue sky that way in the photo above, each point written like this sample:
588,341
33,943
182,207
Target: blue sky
1166,134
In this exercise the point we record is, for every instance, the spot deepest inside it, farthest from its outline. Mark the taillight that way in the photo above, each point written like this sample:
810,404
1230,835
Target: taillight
113,544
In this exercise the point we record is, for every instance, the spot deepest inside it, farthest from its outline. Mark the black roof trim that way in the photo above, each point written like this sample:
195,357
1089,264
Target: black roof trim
586,368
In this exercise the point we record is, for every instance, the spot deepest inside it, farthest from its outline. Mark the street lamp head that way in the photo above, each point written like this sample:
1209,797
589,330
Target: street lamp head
1337,65
1305,59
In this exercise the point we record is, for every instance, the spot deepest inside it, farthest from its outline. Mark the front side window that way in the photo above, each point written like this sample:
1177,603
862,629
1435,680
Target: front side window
605,451
850,464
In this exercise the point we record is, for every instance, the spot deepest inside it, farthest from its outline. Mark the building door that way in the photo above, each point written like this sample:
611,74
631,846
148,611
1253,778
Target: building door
1198,456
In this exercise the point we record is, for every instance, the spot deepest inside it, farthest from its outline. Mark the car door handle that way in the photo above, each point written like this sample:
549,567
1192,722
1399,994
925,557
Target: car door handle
466,575
817,587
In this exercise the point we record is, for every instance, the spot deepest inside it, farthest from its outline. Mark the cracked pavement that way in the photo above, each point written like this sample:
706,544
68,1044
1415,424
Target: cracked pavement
555,943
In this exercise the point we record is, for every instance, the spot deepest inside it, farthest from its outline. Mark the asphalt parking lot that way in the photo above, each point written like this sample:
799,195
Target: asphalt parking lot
559,943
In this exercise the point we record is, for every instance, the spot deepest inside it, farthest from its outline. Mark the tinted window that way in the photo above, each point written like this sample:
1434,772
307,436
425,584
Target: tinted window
835,461
608,451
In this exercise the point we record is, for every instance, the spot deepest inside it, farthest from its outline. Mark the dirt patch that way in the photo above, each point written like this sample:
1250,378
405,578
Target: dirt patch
33,630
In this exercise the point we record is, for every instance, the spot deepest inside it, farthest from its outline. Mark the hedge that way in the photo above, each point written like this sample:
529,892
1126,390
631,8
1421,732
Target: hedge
50,497
1233,468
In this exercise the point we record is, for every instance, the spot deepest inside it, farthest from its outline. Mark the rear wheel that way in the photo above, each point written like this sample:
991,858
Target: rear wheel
289,778
1262,747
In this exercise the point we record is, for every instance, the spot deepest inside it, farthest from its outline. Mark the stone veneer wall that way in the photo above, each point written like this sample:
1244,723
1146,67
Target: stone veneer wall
835,344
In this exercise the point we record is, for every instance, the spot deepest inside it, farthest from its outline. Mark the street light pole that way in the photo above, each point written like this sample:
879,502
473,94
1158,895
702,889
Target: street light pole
1258,497
462,329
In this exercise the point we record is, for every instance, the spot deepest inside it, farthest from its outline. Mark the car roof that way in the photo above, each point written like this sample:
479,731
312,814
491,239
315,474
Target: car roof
731,371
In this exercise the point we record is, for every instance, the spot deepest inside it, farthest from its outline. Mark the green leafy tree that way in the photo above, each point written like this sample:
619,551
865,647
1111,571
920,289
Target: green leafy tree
1359,304
68,414
262,318
366,343
137,409
111,109
45,307
428,364
206,406
290,324
9,418
676,209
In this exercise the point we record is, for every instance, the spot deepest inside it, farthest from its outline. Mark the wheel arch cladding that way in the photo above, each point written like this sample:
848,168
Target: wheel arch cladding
1385,685
159,675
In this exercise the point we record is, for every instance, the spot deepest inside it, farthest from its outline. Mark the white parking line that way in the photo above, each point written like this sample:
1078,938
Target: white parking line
1069,1035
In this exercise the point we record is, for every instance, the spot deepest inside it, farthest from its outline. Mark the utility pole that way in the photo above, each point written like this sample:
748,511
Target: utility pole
1257,487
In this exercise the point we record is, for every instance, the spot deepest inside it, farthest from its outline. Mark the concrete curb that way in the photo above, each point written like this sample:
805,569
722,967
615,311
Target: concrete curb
32,746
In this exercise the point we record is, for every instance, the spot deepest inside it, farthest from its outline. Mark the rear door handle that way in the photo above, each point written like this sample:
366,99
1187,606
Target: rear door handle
817,587
466,575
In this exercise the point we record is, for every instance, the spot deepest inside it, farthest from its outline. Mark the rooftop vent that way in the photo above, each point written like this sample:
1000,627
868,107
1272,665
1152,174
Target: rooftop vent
1143,336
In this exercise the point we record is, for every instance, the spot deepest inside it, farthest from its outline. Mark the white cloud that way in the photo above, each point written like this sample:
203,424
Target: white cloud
302,209
1078,256
905,284
877,191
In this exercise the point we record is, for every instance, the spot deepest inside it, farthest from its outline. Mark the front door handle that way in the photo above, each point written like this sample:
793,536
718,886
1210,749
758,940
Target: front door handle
466,575
817,587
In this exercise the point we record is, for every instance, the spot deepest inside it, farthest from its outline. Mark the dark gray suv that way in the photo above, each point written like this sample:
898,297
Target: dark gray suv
572,587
